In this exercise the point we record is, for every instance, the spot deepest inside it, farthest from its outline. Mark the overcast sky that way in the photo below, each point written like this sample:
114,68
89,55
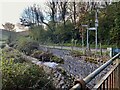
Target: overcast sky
11,10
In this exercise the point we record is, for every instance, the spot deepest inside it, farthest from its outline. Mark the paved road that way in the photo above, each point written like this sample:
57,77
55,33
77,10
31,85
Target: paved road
71,48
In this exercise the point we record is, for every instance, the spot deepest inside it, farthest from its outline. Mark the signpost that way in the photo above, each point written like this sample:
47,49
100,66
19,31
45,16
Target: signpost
94,29
87,38
96,25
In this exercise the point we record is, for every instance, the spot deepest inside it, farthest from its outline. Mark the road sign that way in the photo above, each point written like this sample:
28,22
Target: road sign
93,28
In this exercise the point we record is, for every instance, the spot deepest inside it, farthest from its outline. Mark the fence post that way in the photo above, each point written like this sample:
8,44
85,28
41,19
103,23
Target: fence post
118,74
79,85
100,49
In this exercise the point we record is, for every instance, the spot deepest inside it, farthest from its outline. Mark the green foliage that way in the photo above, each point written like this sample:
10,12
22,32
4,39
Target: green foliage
46,57
8,53
56,59
26,45
76,53
108,26
23,76
64,34
6,35
91,60
60,33
38,33
115,30
62,71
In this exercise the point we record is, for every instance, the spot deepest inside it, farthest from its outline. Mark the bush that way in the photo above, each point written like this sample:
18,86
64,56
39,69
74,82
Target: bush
26,45
8,53
57,60
24,76
47,57
76,53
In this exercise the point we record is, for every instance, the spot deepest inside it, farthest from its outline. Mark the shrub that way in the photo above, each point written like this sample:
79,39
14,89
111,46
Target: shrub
26,45
91,60
47,57
57,59
24,76
76,53
8,53
36,54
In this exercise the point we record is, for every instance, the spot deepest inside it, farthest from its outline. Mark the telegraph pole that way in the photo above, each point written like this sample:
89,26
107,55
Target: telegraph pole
96,26
94,29
86,26
87,39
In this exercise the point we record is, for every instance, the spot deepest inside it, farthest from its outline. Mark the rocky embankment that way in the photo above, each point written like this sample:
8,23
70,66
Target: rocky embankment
77,66
60,78
73,68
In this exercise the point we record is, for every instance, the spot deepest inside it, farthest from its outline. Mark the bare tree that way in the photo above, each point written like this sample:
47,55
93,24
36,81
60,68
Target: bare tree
33,16
52,12
63,10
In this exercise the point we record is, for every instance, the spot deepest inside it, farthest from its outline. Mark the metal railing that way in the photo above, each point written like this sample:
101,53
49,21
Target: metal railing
110,80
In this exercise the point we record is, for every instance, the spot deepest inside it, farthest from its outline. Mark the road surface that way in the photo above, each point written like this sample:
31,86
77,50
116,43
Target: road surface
72,48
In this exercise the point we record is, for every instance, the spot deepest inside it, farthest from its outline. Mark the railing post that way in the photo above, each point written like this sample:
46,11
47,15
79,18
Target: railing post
118,74
92,75
79,85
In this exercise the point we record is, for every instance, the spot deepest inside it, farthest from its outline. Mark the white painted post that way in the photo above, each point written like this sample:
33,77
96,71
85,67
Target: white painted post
96,25
87,39
83,39
96,40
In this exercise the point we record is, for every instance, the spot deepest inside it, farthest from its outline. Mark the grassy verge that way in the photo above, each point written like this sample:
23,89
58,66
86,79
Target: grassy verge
79,45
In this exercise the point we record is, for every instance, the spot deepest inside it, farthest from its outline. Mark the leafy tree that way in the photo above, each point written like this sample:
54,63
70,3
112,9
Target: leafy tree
115,31
66,19
65,34
10,27
38,33
108,24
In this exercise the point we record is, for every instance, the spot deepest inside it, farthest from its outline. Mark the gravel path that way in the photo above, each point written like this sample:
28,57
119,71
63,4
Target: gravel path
78,67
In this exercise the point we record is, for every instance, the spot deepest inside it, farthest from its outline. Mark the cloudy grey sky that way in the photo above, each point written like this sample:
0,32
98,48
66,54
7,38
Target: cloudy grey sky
11,10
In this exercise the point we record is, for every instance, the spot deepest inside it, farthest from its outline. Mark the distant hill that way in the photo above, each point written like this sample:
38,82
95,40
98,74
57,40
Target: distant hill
4,34
24,33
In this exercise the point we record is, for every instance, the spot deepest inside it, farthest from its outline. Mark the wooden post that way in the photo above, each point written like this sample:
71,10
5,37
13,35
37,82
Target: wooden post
72,44
118,74
0,80
89,50
100,49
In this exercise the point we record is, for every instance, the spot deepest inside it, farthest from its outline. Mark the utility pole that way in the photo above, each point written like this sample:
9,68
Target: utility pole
87,39
86,26
96,26
94,29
